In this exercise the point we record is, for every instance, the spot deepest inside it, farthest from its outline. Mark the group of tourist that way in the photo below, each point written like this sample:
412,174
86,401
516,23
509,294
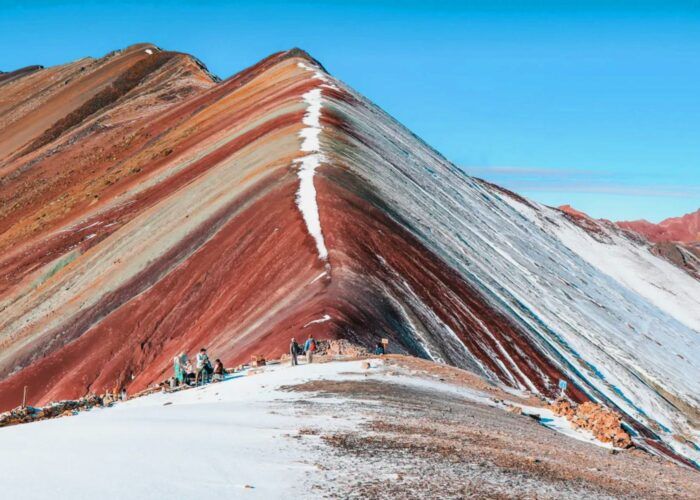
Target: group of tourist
202,372
309,349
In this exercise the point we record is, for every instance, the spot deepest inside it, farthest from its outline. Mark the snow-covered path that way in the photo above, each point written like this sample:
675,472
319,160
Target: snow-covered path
249,437
225,440
232,437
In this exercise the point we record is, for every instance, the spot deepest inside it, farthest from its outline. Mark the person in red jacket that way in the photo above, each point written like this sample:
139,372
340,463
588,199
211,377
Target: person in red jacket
310,348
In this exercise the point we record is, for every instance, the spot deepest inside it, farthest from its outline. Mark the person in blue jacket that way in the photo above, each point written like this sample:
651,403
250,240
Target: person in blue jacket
179,363
310,348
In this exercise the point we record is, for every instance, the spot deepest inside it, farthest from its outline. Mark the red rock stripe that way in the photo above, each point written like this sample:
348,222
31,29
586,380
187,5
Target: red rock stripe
169,308
12,271
357,225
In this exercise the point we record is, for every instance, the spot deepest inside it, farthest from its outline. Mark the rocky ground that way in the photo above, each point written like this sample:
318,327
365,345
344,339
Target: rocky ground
417,443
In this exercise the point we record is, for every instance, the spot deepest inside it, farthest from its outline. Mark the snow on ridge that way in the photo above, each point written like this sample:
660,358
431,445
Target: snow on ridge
312,120
306,201
318,74
306,194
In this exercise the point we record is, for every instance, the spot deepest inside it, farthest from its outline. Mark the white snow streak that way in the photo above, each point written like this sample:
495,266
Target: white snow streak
319,277
306,195
323,319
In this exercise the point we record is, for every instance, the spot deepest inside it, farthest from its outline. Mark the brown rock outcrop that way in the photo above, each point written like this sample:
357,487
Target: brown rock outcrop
605,424
340,347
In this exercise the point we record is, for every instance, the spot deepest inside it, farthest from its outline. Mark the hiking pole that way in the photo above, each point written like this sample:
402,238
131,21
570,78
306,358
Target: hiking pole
24,397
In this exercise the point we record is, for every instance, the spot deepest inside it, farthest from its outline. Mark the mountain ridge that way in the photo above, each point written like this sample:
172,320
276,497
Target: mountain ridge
684,228
235,214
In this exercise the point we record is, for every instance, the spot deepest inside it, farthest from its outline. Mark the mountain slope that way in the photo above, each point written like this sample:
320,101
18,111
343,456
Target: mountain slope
280,202
676,239
670,239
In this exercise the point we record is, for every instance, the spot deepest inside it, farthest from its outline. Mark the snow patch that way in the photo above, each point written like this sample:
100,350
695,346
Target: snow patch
323,319
319,75
324,273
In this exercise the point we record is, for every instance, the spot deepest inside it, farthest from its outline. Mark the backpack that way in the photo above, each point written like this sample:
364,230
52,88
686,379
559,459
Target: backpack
312,346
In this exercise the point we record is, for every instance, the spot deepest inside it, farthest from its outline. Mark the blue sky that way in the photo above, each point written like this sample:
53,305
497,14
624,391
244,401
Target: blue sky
596,106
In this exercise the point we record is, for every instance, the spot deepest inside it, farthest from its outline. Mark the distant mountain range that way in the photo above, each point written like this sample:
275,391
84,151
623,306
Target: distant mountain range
676,239
148,208
684,229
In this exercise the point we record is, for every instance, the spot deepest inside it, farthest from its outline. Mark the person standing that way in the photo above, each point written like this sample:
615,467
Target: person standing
310,348
189,372
184,362
179,363
294,351
202,364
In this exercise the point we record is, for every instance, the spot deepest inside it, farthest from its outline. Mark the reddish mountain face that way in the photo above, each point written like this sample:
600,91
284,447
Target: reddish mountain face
148,209
684,229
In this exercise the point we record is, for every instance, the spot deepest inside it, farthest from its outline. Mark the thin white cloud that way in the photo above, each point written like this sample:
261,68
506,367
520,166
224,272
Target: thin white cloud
572,180
626,190
530,171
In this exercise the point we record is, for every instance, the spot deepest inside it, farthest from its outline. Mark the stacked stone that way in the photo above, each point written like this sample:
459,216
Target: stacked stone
25,414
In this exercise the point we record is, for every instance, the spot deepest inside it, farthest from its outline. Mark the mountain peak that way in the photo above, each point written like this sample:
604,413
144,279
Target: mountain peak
301,53
572,211
153,211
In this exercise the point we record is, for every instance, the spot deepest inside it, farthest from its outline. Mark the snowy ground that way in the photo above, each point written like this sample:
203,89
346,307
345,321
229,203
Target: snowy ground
228,436
253,437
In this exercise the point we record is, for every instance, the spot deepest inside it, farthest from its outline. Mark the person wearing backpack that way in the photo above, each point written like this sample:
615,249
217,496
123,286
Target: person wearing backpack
203,365
310,348
294,350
